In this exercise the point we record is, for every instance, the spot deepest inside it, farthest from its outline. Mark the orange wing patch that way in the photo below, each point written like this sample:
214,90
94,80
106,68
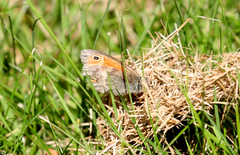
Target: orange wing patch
105,61
108,62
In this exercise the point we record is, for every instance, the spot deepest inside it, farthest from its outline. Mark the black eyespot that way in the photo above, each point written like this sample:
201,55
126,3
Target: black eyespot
96,58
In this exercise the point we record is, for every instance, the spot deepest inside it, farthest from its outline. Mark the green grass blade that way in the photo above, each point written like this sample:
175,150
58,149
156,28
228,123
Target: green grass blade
99,30
71,117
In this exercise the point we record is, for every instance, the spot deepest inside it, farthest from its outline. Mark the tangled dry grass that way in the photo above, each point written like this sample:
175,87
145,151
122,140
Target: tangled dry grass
168,71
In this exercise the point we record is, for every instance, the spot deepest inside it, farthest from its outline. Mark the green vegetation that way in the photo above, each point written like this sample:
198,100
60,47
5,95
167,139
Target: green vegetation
44,102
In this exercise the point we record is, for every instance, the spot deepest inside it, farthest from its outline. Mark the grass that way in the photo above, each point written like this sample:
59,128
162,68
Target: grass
44,102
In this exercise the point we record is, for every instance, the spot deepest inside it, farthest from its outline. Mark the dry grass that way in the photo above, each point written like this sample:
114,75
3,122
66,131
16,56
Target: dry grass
167,70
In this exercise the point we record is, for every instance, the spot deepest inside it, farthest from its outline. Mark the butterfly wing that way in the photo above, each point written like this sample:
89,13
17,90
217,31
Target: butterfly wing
101,67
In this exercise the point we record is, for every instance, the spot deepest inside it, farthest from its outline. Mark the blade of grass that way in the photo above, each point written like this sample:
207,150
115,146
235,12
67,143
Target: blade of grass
53,36
145,32
19,78
33,32
82,88
13,41
101,24
71,117
189,148
216,113
84,31
220,136
226,28
237,111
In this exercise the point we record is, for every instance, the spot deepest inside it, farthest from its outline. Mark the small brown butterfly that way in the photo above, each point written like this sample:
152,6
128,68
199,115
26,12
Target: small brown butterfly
100,66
